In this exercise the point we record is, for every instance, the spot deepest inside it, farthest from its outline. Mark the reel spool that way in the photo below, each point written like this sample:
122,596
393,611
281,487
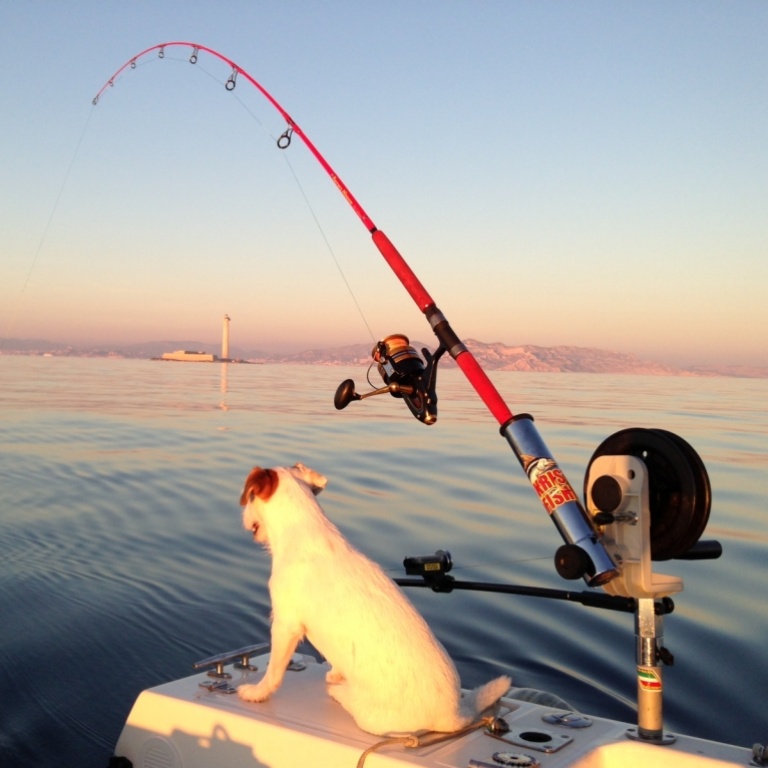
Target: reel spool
679,491
397,361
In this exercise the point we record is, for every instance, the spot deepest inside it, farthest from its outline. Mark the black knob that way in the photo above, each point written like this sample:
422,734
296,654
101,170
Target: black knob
345,394
606,493
572,562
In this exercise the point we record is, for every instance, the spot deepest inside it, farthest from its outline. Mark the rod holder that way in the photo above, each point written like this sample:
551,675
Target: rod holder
559,500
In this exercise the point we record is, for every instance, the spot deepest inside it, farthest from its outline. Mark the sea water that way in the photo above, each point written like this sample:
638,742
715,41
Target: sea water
123,559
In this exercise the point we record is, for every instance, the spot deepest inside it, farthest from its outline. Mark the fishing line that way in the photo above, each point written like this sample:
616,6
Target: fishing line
281,143
330,249
133,65
305,198
46,229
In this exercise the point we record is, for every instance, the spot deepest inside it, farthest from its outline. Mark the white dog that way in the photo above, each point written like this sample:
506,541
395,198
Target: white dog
387,668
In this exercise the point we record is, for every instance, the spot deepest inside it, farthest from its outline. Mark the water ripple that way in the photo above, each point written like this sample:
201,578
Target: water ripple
125,559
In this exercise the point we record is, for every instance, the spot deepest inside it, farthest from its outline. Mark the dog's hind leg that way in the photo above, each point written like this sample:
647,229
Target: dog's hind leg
342,693
370,714
333,677
284,642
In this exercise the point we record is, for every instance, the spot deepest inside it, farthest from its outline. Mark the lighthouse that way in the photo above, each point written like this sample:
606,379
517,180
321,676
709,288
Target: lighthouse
225,339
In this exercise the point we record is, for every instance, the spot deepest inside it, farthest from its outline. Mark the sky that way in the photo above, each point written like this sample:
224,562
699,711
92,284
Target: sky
586,173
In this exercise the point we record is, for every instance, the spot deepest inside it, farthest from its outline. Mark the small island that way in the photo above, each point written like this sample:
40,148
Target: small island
185,356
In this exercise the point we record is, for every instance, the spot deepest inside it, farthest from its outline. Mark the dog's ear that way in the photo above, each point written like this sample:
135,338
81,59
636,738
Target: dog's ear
261,483
313,479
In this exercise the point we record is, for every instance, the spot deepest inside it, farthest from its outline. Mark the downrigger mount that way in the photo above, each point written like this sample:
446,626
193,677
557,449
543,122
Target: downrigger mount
647,498
648,493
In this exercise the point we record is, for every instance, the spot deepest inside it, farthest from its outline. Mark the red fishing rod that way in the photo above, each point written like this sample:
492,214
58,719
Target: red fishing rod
406,376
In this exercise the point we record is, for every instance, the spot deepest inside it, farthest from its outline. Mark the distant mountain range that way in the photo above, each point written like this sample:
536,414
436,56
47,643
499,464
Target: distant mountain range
493,356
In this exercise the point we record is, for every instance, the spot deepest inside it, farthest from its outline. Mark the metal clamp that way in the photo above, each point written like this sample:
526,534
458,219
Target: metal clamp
218,686
218,661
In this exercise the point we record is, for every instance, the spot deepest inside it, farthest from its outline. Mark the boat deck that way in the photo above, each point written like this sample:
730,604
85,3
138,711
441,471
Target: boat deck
183,725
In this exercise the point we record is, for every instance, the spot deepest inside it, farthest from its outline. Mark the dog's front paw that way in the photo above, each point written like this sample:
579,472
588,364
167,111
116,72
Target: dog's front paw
258,692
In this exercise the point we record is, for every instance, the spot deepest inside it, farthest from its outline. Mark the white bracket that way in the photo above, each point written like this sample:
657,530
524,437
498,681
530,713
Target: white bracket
628,537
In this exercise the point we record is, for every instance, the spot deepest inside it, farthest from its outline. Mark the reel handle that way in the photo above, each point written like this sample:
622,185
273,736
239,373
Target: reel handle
702,550
345,393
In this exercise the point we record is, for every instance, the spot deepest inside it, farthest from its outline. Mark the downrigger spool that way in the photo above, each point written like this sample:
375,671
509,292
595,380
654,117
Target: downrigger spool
678,490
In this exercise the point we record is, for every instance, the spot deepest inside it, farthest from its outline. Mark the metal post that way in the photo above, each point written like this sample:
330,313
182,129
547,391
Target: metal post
650,686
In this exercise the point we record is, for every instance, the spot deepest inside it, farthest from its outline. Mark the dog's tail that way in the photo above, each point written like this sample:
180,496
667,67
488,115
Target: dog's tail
479,699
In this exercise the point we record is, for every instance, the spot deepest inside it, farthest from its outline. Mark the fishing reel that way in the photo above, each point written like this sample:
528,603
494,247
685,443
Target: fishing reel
405,376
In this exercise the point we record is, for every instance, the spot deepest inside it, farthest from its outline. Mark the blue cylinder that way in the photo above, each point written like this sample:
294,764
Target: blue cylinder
558,497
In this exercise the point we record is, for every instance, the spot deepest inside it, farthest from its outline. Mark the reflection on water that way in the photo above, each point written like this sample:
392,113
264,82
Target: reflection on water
124,559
